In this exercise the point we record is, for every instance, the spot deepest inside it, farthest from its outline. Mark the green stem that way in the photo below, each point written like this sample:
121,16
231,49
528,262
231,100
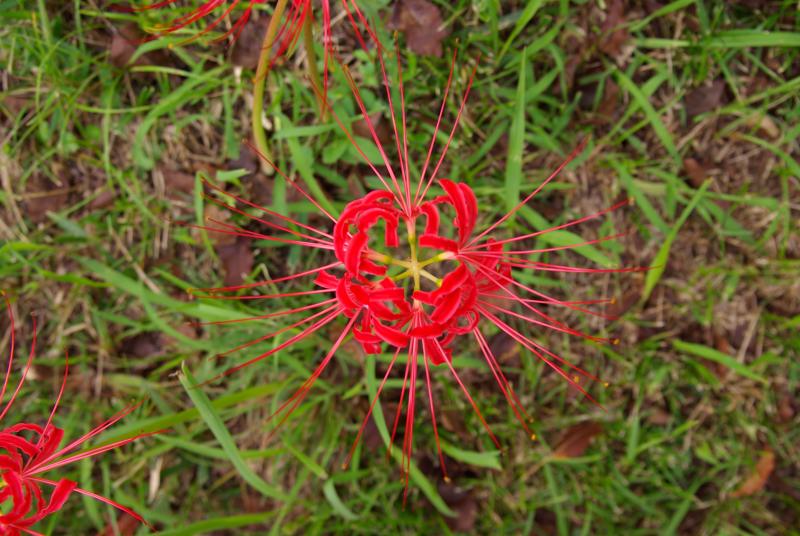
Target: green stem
259,82
311,64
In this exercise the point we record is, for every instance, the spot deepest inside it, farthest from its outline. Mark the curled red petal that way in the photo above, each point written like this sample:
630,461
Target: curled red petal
437,242
431,218
326,280
427,330
352,257
393,336
447,308
435,352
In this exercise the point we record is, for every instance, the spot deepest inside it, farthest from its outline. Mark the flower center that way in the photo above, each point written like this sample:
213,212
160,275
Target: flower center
419,287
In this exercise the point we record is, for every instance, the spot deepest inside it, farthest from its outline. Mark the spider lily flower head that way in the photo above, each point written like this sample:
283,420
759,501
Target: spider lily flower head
29,452
412,273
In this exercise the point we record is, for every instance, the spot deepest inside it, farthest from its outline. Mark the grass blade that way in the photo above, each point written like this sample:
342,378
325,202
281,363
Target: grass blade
716,356
219,523
660,260
516,141
217,427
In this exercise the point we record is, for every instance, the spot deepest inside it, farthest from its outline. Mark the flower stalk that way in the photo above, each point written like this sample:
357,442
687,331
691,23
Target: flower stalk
260,80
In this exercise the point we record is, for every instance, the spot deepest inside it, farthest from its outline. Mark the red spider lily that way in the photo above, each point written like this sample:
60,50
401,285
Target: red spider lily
289,31
412,274
28,450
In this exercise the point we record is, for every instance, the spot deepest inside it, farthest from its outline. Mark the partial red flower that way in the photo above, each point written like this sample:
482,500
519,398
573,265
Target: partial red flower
215,12
28,451
410,273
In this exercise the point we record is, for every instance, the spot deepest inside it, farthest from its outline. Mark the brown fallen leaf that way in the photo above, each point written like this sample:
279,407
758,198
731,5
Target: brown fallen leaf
177,183
42,196
247,160
659,417
247,47
608,105
216,217
124,43
104,199
705,98
237,260
786,404
576,439
612,35
758,478
619,306
421,21
127,525
145,344
695,170
463,503
361,128
503,347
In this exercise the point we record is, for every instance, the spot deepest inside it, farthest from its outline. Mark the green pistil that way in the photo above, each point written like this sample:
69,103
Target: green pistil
414,268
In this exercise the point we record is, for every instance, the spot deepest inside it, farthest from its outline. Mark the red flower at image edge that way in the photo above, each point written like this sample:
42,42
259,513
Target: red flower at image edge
412,274
28,450
288,33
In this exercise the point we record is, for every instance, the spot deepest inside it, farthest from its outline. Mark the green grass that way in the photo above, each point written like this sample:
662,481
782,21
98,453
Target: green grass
709,346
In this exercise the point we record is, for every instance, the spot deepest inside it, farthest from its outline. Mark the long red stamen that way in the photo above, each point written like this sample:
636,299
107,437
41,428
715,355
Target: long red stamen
417,199
237,288
269,315
551,229
452,132
24,370
574,154
371,408
279,332
531,347
297,398
303,334
501,380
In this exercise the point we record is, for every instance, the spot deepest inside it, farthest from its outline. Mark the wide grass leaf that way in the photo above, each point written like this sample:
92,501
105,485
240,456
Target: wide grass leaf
220,431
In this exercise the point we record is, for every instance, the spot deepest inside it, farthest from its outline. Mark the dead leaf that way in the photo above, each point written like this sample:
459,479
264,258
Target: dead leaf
705,98
127,525
177,183
247,47
576,439
612,36
247,160
104,199
237,260
764,124
361,128
758,478
16,104
463,503
659,417
141,345
217,217
42,196
124,43
618,307
503,346
608,105
696,171
786,407
421,21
